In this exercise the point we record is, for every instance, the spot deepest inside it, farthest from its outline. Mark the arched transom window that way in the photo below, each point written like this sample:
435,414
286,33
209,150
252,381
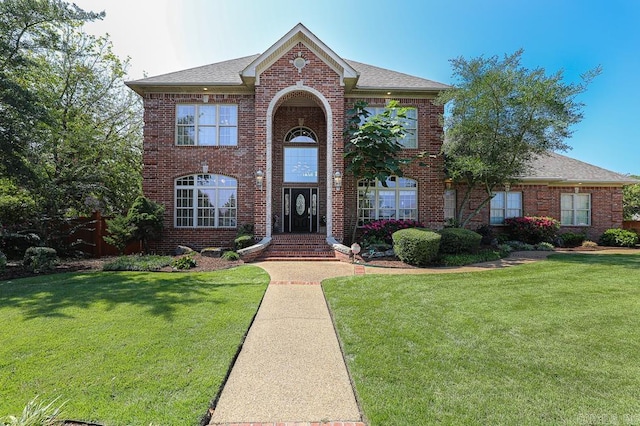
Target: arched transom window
301,162
206,201
301,135
398,200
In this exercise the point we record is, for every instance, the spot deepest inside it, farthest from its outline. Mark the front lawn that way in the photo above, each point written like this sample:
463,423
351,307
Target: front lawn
554,342
124,348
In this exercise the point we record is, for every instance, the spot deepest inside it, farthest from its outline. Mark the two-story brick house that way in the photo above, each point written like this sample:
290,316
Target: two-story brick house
259,140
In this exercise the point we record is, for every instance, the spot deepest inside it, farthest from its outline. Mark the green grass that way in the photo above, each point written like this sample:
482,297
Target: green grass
125,348
554,342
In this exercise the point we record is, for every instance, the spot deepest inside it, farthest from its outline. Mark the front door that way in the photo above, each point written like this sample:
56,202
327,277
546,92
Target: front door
300,209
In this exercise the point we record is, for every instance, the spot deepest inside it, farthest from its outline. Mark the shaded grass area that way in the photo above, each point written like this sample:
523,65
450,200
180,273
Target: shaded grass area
554,342
124,348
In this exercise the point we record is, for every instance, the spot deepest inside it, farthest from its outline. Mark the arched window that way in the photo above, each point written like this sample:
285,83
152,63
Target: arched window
301,135
206,201
398,200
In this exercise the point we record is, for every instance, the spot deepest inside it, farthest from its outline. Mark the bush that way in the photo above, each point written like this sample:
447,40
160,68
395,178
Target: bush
245,229
14,244
532,229
520,246
544,247
572,239
243,241
504,249
230,255
381,231
185,262
3,262
40,259
416,246
146,216
589,244
459,240
486,231
120,230
616,237
138,263
469,258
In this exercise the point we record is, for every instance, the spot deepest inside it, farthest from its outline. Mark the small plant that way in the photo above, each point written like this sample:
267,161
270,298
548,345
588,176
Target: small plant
532,229
572,239
230,255
37,413
40,259
381,231
504,249
184,262
589,244
243,241
544,246
520,246
416,246
459,240
616,237
138,263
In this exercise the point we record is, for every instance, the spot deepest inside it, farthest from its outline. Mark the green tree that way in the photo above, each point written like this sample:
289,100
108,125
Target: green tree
26,26
146,216
373,144
631,200
120,230
501,116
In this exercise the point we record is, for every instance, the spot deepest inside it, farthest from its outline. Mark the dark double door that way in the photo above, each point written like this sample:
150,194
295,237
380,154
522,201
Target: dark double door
300,210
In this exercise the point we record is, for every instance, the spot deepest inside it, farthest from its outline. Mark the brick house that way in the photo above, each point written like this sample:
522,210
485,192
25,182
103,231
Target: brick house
259,140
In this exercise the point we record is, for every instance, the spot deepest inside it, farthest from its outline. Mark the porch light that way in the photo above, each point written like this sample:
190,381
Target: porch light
259,179
448,183
205,168
337,180
507,186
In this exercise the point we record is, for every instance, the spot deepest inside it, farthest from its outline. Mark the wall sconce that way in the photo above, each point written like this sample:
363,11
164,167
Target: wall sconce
301,121
507,186
259,179
337,180
448,183
576,189
205,168
205,98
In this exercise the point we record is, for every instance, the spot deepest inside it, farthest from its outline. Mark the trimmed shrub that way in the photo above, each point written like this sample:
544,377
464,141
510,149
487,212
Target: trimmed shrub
470,258
544,247
40,259
589,244
381,231
3,262
572,239
243,241
459,240
616,237
532,229
230,255
416,246
185,262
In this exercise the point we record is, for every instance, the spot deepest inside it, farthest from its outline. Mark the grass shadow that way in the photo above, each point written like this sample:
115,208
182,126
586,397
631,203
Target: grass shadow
631,261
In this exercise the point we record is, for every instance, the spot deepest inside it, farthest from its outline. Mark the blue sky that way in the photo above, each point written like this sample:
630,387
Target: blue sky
415,37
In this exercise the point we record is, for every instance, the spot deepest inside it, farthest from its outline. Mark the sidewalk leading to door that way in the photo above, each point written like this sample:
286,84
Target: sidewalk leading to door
291,368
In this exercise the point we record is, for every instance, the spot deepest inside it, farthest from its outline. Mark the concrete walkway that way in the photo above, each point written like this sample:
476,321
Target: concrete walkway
291,367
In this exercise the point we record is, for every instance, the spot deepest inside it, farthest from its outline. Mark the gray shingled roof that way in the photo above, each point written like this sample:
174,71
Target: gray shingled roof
556,167
228,73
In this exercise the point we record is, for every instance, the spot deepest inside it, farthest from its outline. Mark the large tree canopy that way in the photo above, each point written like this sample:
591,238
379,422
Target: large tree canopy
502,115
631,200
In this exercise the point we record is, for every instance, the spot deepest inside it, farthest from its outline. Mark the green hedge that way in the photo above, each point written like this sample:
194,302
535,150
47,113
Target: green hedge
616,237
416,246
459,240
40,259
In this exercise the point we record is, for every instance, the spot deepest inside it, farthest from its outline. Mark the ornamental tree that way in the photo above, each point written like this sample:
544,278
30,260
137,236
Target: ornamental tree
631,200
503,115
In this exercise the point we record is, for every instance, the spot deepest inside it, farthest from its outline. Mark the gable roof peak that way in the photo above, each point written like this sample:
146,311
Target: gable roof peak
299,33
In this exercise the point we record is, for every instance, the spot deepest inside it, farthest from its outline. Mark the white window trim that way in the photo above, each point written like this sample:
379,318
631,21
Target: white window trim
375,189
196,125
194,206
506,208
375,110
574,209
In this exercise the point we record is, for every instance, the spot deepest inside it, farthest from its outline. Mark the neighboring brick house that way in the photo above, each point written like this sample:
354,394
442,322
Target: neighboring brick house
259,140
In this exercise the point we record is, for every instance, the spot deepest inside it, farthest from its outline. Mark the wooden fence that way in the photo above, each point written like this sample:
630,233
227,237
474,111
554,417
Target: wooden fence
631,225
86,234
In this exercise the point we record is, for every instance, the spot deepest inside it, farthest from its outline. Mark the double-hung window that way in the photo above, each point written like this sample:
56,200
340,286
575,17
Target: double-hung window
398,200
211,125
575,209
206,201
410,140
505,205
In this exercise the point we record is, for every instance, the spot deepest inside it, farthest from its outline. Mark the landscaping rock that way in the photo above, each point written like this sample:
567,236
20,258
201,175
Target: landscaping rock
180,250
214,251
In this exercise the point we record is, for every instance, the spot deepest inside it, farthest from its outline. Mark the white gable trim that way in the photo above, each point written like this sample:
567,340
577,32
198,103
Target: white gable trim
298,34
269,153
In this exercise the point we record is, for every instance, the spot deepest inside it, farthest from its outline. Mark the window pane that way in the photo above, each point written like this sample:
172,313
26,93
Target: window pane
207,115
301,165
228,115
582,217
566,201
206,207
186,135
228,136
582,201
497,217
207,180
566,217
514,200
206,135
227,210
386,204
497,202
186,114
449,204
